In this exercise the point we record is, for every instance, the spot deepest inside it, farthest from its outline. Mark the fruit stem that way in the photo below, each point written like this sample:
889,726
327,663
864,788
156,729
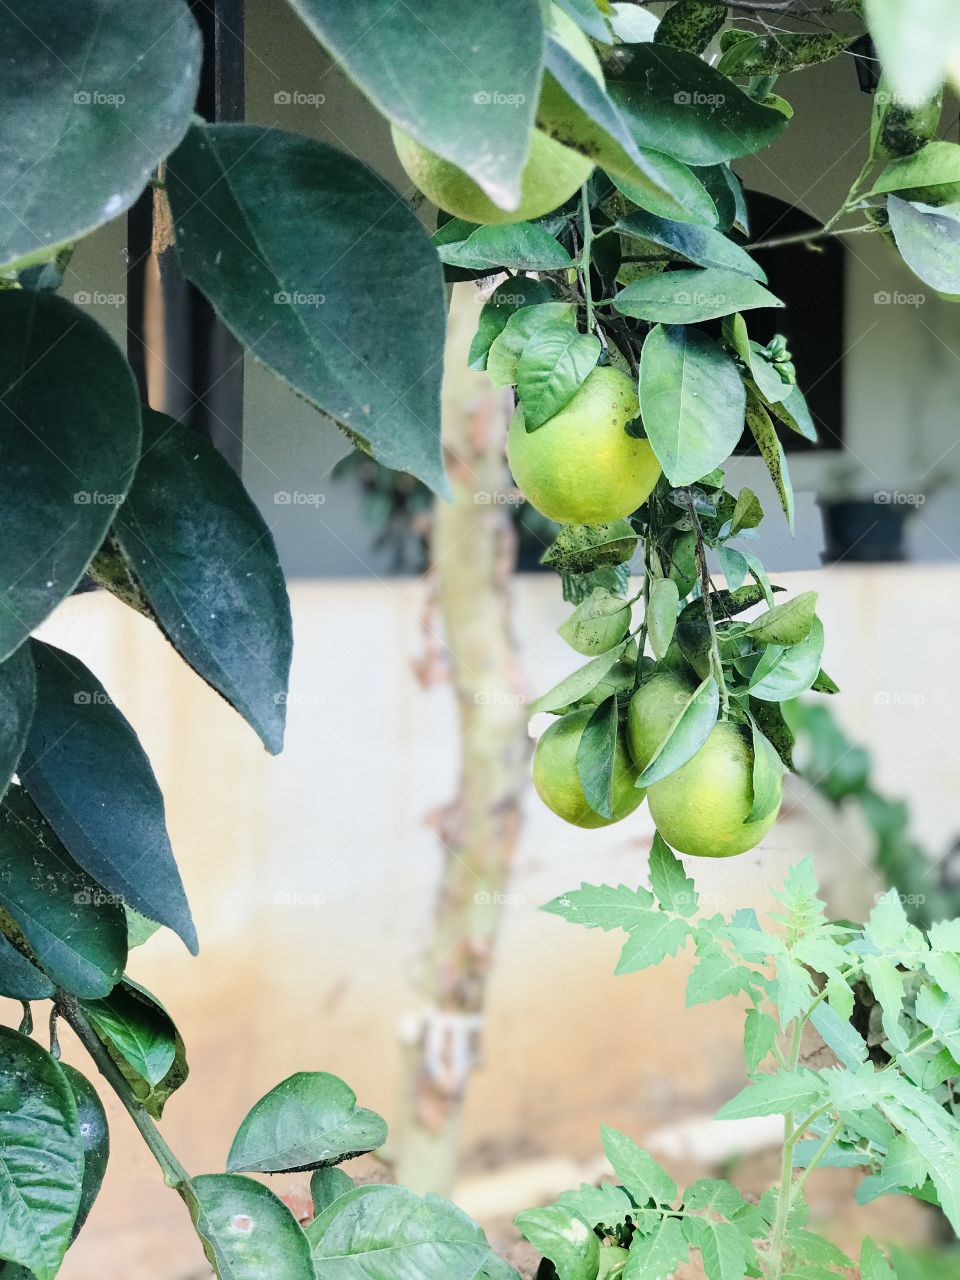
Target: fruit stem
716,663
587,229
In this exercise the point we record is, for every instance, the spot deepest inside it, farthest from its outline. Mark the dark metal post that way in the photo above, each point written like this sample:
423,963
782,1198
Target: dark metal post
202,381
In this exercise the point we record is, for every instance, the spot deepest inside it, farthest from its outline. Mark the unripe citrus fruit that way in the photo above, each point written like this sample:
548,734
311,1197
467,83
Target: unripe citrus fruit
701,809
581,466
550,177
653,709
558,784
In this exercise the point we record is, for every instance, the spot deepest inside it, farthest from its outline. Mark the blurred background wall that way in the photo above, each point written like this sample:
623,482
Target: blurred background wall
314,876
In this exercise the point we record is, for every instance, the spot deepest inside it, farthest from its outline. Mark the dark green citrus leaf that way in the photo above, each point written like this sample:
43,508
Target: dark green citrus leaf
693,725
309,1121
112,818
319,324
689,296
70,440
18,693
94,95
19,979
248,1233
77,933
225,610
704,246
446,76
41,1165
326,1186
94,1137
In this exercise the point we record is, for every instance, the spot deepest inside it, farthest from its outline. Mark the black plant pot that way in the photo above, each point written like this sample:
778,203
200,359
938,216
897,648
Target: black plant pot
862,531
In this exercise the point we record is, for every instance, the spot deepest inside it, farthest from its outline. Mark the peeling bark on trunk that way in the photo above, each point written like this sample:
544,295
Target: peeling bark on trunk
474,556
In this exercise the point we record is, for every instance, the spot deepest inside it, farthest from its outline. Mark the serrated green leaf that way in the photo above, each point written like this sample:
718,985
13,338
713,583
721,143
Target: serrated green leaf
654,937
642,1176
776,1094
603,907
715,975
759,1034
873,1262
840,1036
669,880
656,1256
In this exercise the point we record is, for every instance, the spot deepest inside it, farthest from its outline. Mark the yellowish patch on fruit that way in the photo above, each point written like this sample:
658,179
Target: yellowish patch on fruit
581,466
701,809
558,784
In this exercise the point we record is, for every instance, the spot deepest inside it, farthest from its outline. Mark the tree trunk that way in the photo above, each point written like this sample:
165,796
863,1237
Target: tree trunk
474,555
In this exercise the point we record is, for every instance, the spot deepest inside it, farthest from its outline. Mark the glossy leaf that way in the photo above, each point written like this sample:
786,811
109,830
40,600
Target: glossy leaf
691,400
226,610
503,359
553,367
94,95
138,1032
19,979
929,242
793,412
785,624
562,1236
687,200
18,693
581,548
77,933
690,25
575,109
747,54
661,616
640,1174
250,205
248,1233
523,246
392,1233
474,110
771,450
704,246
576,686
936,165
70,440
327,1185
677,103
506,299
42,1164
586,14
309,1121
596,625
112,818
689,296
596,757
94,1138
786,673
767,775
689,731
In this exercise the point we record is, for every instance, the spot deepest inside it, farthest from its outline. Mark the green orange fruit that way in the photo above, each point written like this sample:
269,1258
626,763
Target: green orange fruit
553,172
702,808
558,783
653,709
581,466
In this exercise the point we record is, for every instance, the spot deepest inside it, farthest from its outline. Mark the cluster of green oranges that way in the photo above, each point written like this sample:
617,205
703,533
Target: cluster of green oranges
700,809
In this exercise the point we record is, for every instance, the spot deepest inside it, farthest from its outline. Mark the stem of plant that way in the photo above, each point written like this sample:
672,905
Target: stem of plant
174,1174
810,237
716,663
852,195
587,229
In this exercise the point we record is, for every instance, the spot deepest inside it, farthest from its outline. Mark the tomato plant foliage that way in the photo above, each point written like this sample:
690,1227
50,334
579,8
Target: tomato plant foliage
327,276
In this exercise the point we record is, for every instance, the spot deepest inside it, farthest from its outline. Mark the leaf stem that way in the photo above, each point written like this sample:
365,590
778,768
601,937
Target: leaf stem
716,663
174,1174
810,237
587,230
818,1155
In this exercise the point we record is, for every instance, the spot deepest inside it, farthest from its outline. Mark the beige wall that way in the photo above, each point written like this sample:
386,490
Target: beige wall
339,825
